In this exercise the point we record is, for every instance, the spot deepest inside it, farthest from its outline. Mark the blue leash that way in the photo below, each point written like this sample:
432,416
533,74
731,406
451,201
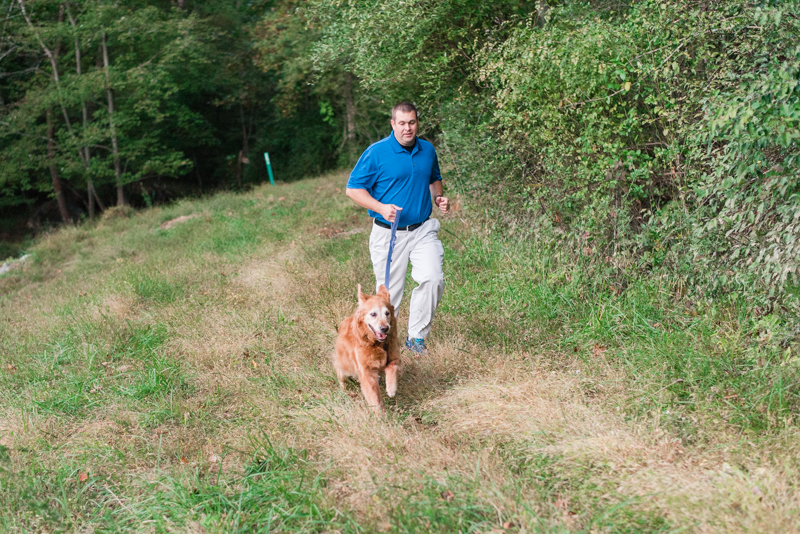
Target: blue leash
391,248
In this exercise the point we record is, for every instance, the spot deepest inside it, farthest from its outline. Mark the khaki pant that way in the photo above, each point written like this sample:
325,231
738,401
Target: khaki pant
425,252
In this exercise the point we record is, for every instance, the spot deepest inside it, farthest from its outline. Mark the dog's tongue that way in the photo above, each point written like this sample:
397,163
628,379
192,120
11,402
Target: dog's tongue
379,335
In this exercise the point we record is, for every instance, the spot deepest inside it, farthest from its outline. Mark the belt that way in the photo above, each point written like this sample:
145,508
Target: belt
409,228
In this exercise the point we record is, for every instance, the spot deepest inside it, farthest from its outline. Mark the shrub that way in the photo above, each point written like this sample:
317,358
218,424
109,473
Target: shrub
653,134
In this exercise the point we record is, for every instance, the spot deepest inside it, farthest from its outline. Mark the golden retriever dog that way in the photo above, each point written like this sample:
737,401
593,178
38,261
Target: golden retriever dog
367,345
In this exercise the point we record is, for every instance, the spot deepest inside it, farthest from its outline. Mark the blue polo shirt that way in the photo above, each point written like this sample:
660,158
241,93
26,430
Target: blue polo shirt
392,175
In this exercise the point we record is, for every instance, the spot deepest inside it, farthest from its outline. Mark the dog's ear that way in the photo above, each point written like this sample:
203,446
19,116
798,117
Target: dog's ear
383,292
361,296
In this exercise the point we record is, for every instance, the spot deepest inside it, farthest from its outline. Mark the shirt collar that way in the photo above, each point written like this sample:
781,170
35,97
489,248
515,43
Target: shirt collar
398,148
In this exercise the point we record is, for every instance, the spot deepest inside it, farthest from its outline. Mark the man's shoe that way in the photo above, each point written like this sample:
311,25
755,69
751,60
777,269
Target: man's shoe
416,345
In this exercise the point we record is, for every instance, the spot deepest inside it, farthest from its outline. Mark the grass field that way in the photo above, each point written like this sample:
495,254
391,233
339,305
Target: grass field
177,380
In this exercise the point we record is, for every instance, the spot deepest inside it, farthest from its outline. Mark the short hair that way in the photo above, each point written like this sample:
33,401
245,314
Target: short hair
405,107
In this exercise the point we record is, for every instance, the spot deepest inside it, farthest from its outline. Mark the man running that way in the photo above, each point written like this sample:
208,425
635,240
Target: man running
397,177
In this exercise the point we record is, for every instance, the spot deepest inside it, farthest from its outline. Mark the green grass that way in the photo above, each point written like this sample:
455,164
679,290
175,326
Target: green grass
276,492
173,380
154,288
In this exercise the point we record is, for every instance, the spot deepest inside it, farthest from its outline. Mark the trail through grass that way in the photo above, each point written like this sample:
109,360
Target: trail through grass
177,380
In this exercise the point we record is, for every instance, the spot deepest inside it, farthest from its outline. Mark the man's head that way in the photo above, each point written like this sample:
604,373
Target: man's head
404,123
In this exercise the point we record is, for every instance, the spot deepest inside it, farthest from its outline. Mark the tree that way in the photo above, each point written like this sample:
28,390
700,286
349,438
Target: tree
118,117
52,53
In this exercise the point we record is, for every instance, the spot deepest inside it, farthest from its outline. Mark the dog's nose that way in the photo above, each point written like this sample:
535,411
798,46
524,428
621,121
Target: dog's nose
385,328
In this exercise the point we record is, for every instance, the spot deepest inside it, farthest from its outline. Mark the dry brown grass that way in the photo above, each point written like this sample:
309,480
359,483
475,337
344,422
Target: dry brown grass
549,414
365,455
266,277
120,307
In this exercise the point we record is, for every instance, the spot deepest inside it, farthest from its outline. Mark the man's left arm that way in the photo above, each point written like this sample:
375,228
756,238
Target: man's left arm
441,201
437,192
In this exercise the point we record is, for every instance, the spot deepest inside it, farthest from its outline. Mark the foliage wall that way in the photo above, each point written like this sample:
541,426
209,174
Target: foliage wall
653,132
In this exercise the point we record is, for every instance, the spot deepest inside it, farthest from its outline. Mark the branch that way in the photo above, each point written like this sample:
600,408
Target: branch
595,99
9,51
47,51
25,134
8,16
673,53
662,47
53,63
7,74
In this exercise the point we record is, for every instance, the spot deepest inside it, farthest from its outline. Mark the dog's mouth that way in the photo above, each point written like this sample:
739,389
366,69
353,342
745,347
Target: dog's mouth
380,336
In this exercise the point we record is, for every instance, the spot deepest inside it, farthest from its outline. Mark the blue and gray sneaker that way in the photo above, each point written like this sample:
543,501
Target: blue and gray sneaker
416,345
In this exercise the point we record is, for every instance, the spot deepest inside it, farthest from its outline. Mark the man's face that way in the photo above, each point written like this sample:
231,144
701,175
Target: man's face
404,125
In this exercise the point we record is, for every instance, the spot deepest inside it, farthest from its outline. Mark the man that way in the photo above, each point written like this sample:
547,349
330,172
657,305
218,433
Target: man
396,178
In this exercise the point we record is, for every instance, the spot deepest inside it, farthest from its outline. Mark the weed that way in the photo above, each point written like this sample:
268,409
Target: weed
151,288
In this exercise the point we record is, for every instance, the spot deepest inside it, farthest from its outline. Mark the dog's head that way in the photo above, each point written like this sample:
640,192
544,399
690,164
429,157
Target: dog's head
376,314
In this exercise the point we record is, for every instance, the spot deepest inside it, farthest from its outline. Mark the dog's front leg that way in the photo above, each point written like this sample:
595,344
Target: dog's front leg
369,387
340,376
391,377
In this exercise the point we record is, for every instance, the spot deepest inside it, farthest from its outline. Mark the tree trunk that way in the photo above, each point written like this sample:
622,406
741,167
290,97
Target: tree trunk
114,145
89,185
51,155
542,10
84,151
52,55
350,114
197,173
239,171
243,155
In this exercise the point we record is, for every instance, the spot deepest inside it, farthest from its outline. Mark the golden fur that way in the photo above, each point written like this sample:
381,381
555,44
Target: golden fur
367,345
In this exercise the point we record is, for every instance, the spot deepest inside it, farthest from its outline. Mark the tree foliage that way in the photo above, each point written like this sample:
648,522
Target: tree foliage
153,54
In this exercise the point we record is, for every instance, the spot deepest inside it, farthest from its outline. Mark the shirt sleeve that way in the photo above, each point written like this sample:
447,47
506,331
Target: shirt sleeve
365,173
436,174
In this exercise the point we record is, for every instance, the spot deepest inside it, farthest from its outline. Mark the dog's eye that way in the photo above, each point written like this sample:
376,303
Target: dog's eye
387,313
373,314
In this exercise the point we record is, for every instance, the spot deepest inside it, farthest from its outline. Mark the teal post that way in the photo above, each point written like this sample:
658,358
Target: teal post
269,168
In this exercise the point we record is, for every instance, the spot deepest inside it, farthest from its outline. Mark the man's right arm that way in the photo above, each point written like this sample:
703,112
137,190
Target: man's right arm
365,200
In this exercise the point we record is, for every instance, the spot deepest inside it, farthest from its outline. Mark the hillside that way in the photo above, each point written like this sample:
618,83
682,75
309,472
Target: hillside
167,370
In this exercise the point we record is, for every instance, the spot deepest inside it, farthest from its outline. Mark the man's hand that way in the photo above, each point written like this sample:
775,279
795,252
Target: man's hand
363,199
443,203
389,211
